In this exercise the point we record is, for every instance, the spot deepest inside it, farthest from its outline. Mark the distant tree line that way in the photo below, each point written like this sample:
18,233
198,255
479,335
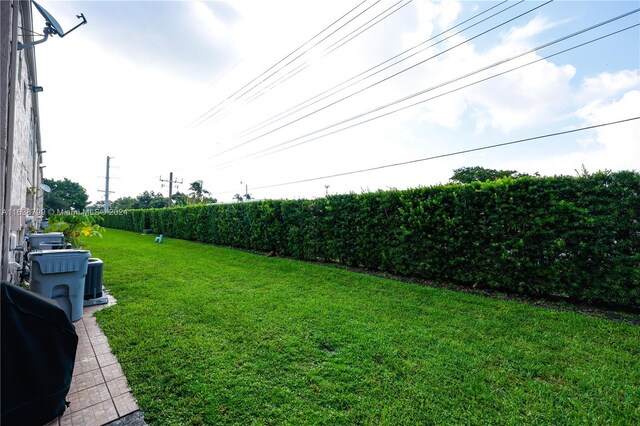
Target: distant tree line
65,195
68,195
481,174
155,200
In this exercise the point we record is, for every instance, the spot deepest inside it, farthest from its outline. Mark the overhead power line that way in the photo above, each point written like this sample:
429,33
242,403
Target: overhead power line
237,95
425,100
266,152
318,132
253,139
363,75
336,45
333,47
302,105
196,122
449,154
227,72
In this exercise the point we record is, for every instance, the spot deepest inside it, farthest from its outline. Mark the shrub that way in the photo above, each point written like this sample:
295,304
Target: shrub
575,237
75,227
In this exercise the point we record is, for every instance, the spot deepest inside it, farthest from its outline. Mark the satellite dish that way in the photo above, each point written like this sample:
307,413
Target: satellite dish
52,27
45,187
50,20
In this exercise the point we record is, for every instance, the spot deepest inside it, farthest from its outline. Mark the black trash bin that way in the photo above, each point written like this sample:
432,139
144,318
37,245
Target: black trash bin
93,280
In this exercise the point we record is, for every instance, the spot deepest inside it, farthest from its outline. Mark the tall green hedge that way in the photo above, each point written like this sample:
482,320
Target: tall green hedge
570,236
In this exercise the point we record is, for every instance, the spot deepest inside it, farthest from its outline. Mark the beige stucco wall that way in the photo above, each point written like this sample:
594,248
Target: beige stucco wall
25,197
24,138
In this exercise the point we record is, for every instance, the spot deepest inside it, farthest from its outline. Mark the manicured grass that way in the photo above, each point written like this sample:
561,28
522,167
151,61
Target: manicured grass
208,335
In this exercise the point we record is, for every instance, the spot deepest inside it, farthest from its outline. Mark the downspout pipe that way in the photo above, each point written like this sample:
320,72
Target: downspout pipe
5,39
30,57
8,182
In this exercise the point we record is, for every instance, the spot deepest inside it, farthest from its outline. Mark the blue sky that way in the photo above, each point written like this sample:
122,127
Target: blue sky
131,83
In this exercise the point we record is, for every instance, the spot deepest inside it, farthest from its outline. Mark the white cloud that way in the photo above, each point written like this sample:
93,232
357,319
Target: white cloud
523,99
210,24
522,35
430,14
519,99
607,84
615,147
96,108
448,11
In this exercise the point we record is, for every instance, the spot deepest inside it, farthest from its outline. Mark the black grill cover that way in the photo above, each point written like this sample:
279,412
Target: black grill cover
38,353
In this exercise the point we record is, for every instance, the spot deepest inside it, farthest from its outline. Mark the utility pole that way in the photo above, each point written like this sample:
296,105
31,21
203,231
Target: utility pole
171,182
170,187
246,190
106,187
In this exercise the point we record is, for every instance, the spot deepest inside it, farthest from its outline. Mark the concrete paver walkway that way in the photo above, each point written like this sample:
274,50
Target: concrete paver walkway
99,391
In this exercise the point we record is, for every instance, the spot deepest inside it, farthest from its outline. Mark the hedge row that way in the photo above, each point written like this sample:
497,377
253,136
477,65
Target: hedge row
577,237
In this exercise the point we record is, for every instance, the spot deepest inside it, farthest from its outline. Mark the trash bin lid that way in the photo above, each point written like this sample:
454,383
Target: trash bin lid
60,261
37,241
45,235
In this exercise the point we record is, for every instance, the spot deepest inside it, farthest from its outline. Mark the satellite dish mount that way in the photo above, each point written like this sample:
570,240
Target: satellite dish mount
52,27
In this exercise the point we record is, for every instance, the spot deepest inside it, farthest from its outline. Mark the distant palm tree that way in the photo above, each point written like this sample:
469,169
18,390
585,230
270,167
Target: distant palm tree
198,194
241,198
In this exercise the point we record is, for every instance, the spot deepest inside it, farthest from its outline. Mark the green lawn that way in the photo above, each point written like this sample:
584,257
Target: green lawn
208,335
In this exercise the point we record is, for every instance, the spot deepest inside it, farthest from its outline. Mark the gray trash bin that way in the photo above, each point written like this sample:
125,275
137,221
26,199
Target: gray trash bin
60,275
46,241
